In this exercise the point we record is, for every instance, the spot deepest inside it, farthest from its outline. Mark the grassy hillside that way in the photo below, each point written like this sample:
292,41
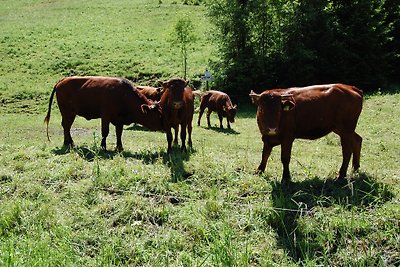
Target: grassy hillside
43,41
141,207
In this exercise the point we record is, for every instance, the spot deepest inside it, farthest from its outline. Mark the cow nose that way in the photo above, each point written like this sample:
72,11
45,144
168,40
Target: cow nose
177,104
272,131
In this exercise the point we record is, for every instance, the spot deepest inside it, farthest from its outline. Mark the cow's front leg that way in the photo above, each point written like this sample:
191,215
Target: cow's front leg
265,155
286,150
189,127
183,137
169,140
105,129
229,125
118,131
220,117
176,130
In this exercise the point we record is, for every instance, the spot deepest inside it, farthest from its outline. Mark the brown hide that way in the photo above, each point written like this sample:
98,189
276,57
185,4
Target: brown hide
309,113
114,100
218,102
152,93
177,103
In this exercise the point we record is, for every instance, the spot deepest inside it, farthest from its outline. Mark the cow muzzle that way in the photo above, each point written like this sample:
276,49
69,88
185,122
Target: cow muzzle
177,104
272,131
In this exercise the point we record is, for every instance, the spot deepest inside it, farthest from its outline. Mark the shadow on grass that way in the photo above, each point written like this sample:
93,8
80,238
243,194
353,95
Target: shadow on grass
175,160
138,127
220,130
294,200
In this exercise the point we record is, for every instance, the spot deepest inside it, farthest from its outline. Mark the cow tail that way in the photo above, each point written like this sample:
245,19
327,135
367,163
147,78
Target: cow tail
47,118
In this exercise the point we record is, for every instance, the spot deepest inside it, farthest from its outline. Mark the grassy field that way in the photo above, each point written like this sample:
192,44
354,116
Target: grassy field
141,207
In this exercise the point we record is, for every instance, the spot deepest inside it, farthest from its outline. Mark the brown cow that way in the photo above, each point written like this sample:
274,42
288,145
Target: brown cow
309,113
177,104
219,102
114,100
152,93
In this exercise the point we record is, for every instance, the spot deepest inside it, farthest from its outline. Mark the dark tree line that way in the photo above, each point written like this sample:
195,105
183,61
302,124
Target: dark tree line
279,43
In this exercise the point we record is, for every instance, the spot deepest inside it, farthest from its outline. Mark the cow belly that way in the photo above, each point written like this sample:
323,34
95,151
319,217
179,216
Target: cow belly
89,116
314,133
89,113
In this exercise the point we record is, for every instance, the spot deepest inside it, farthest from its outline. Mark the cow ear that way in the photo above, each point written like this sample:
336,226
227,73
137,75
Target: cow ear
234,107
254,97
145,108
165,84
288,105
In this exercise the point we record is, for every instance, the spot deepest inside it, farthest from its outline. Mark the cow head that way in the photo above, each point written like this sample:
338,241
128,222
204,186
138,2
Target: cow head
176,88
271,105
230,113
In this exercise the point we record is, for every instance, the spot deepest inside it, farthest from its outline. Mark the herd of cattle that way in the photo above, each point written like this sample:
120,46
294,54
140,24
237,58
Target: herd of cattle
282,114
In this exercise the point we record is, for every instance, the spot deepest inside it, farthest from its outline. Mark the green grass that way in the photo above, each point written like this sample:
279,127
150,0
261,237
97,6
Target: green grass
141,207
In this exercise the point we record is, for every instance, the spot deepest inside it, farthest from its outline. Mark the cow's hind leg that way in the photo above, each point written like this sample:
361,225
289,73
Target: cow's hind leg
356,145
208,117
286,150
66,123
118,131
200,114
347,147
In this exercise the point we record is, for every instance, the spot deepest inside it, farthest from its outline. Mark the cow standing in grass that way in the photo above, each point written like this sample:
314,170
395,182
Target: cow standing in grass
114,100
177,104
309,113
218,102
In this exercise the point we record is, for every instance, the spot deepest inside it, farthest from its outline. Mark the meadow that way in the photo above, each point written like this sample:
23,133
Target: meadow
142,207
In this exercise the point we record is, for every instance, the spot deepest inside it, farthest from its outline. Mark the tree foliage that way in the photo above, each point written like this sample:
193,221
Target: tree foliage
269,43
182,36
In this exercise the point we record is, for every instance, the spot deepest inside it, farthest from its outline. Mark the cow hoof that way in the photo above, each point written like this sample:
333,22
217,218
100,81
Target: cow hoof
259,172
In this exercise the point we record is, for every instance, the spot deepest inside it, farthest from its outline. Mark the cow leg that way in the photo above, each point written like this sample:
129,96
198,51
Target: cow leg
169,140
189,127
176,129
356,144
208,118
183,137
229,125
200,114
220,121
286,151
118,130
265,155
346,142
66,123
105,129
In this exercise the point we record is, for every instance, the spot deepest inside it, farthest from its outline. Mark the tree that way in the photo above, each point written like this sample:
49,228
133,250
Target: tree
268,43
183,36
